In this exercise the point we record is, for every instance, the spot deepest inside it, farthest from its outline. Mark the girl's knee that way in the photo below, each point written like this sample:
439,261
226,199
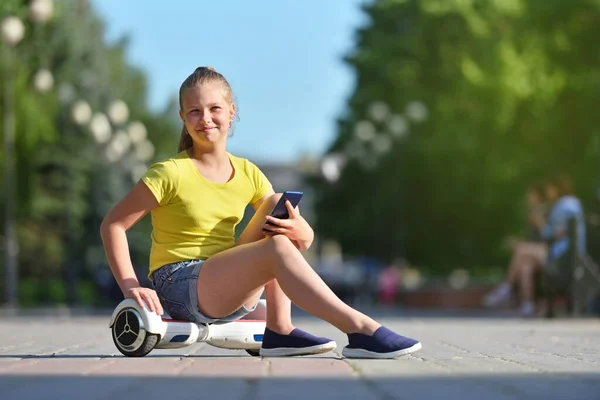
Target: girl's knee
280,245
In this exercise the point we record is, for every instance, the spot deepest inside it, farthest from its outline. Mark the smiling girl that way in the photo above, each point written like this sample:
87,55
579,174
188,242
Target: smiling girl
199,272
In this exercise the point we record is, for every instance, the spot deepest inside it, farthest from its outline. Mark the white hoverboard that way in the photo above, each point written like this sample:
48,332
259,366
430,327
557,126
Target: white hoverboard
136,331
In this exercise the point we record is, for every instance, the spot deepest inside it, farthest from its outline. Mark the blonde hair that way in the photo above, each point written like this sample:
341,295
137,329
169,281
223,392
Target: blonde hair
199,76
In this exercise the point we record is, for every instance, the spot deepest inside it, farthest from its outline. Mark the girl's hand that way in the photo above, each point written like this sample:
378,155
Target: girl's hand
294,227
145,298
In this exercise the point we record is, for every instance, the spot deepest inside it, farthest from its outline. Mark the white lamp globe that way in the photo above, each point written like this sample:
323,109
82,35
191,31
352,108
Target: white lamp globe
100,127
137,132
81,112
40,11
43,81
118,112
12,30
144,151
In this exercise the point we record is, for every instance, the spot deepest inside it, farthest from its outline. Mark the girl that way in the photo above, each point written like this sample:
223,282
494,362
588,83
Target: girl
196,199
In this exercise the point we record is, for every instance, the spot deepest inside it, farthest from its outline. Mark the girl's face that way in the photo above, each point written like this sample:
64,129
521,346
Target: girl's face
207,113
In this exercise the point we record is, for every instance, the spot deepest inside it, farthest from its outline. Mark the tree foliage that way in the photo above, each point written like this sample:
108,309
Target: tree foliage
65,182
512,91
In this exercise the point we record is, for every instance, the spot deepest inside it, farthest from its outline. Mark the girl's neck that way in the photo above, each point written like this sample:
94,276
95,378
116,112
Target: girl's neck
215,157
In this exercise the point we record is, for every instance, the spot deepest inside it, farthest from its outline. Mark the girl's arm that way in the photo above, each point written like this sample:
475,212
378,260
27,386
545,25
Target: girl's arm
125,214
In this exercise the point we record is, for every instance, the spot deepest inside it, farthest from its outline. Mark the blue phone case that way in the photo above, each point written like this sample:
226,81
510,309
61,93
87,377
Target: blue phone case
280,210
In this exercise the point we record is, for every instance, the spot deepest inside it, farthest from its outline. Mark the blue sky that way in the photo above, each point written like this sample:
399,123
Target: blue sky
281,57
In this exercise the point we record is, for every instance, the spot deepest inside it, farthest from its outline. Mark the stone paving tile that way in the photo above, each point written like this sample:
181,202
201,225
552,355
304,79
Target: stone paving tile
56,366
462,358
315,389
147,366
246,367
310,367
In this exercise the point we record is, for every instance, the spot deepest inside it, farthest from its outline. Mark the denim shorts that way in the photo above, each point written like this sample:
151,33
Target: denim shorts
177,288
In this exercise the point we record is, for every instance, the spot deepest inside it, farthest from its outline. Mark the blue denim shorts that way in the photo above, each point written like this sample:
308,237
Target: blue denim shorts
176,287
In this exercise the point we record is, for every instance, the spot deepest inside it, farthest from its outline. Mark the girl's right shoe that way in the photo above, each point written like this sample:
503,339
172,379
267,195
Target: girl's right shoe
383,344
297,343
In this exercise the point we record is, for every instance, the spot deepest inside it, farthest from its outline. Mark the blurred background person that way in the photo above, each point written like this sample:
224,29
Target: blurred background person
536,214
389,282
530,257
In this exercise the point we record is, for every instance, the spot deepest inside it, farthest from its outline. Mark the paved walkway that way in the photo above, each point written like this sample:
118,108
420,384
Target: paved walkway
462,358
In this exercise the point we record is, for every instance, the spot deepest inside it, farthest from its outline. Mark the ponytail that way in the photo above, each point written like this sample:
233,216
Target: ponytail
185,141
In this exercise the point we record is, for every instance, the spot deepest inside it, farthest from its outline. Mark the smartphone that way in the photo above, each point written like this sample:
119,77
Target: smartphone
280,210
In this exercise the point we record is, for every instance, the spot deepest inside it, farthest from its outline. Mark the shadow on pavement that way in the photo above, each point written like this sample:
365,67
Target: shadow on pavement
491,386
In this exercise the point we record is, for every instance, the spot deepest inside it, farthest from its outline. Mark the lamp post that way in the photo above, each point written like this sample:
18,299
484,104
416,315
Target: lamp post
80,114
143,149
13,31
373,139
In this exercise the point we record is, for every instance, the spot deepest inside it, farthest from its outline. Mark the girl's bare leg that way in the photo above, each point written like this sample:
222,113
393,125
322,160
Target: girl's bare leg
279,310
236,277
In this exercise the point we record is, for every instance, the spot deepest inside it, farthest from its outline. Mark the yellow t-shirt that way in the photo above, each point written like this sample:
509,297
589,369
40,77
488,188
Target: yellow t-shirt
197,218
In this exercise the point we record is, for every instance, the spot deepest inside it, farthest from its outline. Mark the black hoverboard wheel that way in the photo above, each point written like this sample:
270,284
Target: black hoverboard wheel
130,335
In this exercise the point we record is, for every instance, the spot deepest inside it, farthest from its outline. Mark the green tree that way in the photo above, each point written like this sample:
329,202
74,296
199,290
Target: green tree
65,181
510,89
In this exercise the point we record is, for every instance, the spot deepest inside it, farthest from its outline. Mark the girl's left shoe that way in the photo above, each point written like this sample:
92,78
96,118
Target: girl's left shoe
383,344
297,343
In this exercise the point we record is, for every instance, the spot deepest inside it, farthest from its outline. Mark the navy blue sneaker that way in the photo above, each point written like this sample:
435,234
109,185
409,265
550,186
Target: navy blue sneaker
297,343
383,344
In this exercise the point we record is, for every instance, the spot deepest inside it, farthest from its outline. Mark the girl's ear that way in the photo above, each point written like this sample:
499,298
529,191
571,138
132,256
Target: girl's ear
231,114
181,115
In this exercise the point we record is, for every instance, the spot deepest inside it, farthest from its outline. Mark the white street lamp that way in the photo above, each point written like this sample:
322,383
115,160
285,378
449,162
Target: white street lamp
332,165
398,125
379,111
118,112
43,81
40,11
416,111
381,144
144,151
137,131
13,31
100,128
122,141
81,112
364,130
